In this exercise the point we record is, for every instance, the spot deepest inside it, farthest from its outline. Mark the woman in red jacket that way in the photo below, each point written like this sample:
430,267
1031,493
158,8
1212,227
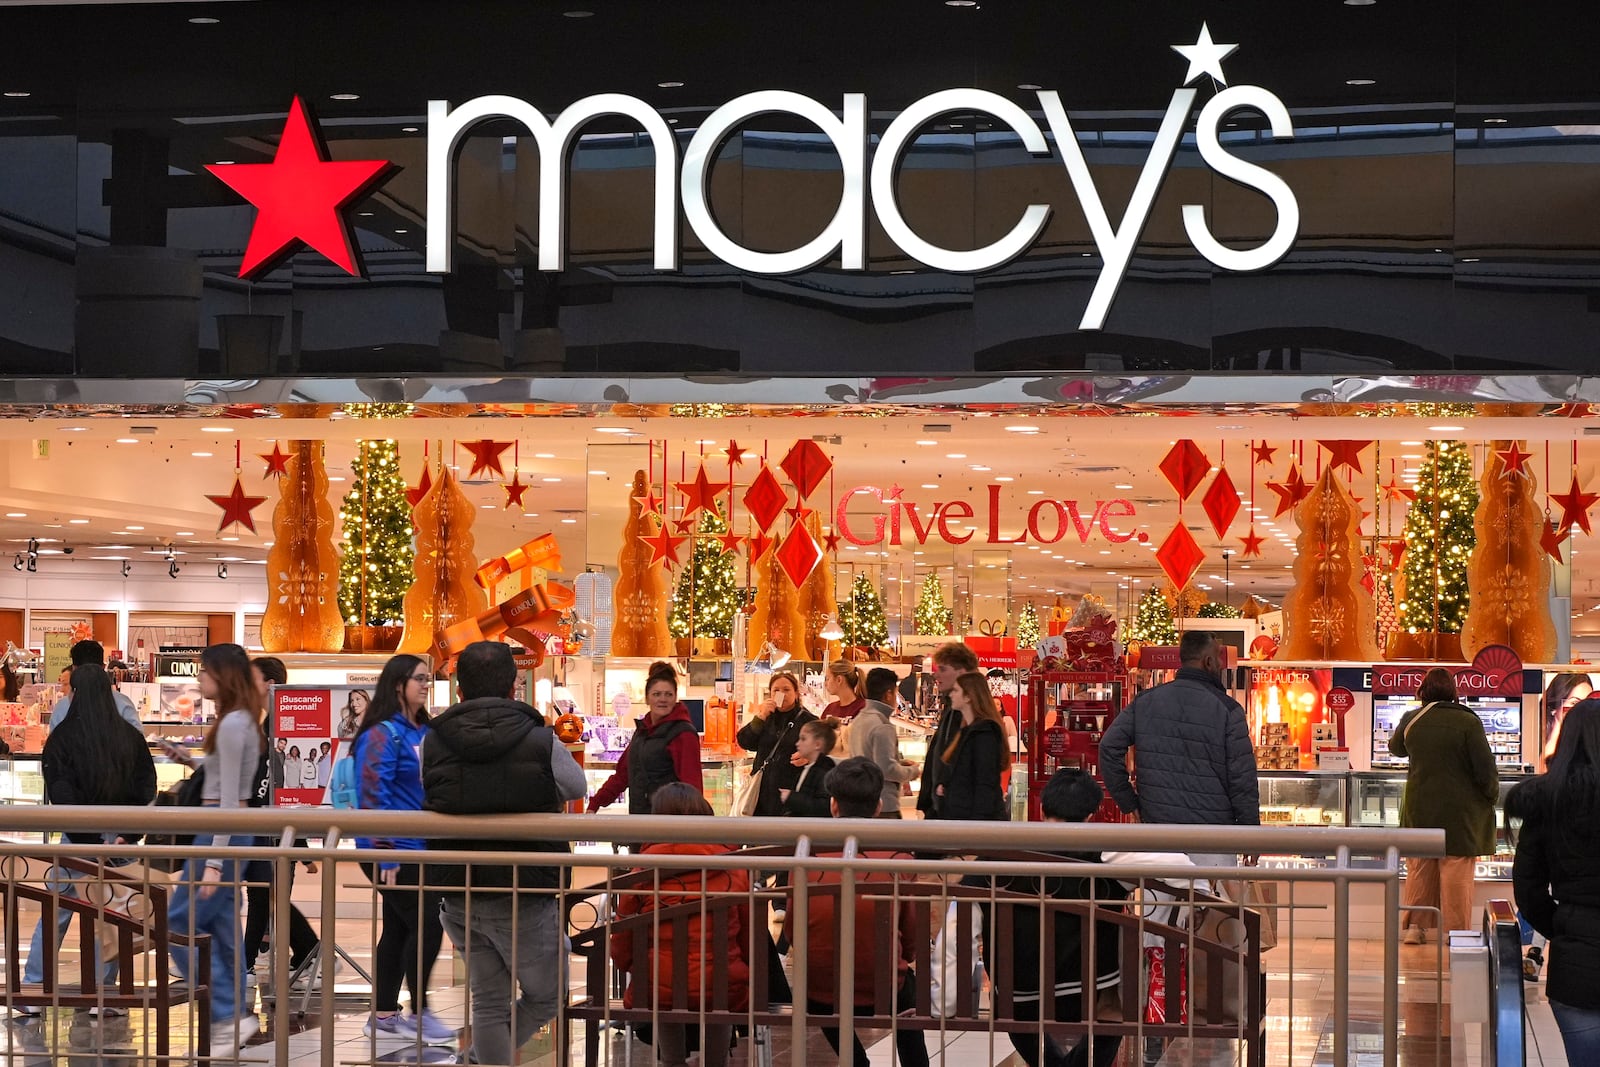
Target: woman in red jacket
665,747
678,798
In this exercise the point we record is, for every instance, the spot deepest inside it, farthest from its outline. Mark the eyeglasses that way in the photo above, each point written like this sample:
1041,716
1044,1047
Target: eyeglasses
423,678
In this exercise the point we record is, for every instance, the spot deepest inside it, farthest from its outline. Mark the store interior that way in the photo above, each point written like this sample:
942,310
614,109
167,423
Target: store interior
111,530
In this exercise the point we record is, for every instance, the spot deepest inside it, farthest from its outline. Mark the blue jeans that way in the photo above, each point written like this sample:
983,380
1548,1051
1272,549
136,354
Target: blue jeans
217,915
60,881
1580,1032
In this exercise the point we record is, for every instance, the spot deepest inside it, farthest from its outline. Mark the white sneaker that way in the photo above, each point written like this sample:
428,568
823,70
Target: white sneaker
249,1026
434,1030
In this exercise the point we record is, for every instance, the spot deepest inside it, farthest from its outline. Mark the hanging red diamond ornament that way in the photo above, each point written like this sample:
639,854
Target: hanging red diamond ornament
765,499
663,547
1185,467
799,554
486,457
806,464
1180,556
414,494
701,494
236,507
277,462
1221,503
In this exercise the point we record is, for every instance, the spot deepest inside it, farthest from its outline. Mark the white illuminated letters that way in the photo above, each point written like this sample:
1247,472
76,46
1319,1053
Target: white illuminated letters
845,235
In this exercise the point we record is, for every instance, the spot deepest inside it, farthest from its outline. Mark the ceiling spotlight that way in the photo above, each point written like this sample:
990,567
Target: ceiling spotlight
33,546
17,566
33,564
172,567
222,571
127,568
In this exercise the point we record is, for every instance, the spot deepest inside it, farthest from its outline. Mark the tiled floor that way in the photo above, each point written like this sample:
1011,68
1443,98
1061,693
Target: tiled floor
1299,1028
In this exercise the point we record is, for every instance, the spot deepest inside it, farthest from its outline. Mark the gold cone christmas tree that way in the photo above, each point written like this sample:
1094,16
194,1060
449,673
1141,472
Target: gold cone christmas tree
1508,573
444,591
640,598
1328,614
817,600
777,616
302,567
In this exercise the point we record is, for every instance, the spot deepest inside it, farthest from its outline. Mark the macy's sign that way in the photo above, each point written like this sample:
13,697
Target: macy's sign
845,235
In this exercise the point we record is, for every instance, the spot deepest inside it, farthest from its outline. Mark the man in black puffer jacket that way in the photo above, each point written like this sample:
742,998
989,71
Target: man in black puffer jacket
1192,750
493,755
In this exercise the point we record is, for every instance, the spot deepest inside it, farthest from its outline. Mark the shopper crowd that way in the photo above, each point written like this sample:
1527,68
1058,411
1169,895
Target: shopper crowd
491,753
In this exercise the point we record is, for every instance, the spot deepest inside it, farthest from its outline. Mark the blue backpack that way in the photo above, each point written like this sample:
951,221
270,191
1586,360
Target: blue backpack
344,785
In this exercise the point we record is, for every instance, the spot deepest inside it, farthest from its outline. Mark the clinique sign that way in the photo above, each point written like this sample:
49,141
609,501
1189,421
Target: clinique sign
1047,522
844,238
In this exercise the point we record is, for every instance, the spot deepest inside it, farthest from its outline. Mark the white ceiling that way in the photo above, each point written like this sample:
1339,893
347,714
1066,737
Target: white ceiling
106,498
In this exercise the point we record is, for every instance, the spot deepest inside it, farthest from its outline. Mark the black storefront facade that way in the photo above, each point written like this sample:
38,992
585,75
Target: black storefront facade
1433,203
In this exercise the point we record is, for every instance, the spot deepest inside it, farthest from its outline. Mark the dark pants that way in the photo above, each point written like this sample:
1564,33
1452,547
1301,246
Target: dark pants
409,942
258,916
911,1048
1068,1009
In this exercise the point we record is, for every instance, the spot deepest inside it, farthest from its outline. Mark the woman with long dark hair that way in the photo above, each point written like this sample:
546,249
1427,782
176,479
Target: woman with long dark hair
773,733
93,757
1557,875
1565,692
974,761
389,778
206,900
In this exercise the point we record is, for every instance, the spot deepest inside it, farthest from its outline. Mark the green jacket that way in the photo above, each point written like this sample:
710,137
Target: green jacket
1452,783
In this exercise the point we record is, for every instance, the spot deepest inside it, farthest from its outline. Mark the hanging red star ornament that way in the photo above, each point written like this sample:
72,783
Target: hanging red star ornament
759,543
1345,454
236,507
1252,544
486,457
831,542
650,503
1551,538
683,526
1393,490
663,547
1262,453
798,512
701,493
277,462
734,453
1397,552
1291,490
1513,460
730,541
414,494
514,490
299,197
1575,505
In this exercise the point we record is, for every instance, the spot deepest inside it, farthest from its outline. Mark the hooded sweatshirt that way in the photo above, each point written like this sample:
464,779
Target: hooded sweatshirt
494,755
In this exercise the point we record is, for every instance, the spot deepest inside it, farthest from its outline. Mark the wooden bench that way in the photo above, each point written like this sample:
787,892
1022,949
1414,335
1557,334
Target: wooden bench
138,925
1210,963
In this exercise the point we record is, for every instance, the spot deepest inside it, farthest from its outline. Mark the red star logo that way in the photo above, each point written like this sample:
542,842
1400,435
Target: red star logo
236,507
1345,454
514,490
734,453
486,457
1263,452
663,547
650,503
298,197
1551,539
1575,505
1513,459
730,541
277,462
415,493
701,493
1252,544
1291,490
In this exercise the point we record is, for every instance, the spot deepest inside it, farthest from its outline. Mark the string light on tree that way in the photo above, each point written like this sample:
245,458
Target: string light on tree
1027,625
1439,540
707,595
861,615
932,614
1152,620
378,552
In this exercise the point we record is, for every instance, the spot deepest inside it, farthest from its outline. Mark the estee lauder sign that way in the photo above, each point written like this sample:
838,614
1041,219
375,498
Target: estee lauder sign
1047,522
845,236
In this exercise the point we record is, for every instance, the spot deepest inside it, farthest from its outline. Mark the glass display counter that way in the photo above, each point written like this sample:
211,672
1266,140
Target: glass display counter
1302,798
22,784
1375,801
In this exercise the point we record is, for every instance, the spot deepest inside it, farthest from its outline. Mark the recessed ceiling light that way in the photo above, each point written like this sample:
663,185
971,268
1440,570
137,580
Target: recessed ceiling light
925,443
230,539
1036,492
204,20
552,478
610,429
544,455
487,507
1359,3
955,455
1496,121
335,478
216,429
929,485
402,230
1411,444
1022,429
127,440
408,129
224,163
16,514
345,96
1446,429
134,527
1004,478
569,522
1122,485
960,3
669,85
1360,81
577,14
73,429
1029,87
598,474
17,94
181,533
201,455
79,522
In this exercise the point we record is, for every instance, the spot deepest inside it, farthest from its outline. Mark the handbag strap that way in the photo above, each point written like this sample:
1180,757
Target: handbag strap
774,753
1405,735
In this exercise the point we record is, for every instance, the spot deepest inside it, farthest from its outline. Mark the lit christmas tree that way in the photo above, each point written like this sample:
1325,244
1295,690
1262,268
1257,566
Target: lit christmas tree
1439,539
1027,626
1152,620
378,550
932,616
861,615
1213,610
707,596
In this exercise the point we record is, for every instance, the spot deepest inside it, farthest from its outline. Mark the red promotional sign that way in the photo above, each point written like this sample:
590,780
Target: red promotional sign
1339,700
308,728
993,651
1158,658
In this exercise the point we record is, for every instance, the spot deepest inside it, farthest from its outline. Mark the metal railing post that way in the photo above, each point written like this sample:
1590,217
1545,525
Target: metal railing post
798,916
1341,955
844,953
1391,958
282,872
330,923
